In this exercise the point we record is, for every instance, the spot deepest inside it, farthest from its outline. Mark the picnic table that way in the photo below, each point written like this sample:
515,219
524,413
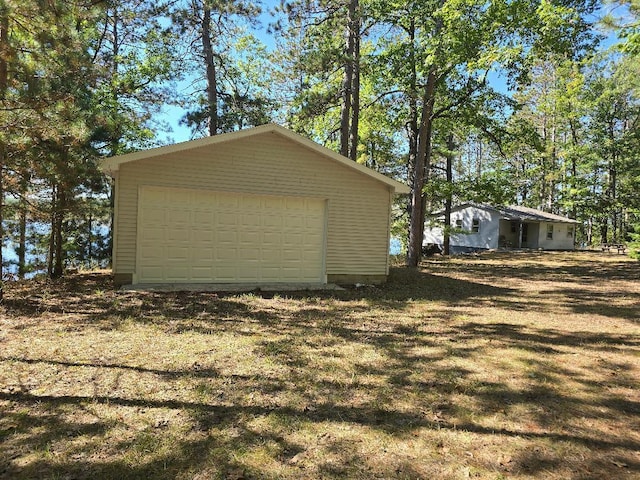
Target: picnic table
609,247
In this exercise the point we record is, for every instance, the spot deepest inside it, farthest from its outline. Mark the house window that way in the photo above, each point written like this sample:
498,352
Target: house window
570,231
549,232
514,227
475,226
459,223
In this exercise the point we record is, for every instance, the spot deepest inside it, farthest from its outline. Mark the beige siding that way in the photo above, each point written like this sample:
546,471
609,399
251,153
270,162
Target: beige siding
269,164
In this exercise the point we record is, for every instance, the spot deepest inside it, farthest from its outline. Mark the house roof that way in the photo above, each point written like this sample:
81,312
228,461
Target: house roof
523,214
111,165
515,212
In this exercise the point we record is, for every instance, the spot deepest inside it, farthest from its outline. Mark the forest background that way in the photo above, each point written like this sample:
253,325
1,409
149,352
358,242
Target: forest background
530,102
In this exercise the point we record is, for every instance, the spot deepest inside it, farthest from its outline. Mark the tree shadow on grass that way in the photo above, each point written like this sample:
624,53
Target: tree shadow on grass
217,451
420,352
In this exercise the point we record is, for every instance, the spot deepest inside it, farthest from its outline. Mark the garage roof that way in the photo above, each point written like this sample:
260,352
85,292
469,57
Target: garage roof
112,164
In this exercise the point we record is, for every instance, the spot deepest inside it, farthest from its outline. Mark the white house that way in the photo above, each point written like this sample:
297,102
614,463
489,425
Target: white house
491,227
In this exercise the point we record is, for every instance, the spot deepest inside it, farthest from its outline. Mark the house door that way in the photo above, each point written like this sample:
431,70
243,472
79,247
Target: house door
525,234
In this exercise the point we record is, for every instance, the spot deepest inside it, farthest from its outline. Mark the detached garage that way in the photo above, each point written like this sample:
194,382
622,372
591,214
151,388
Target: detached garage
258,206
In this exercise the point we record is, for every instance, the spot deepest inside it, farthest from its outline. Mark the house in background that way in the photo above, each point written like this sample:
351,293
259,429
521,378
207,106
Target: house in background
492,227
262,205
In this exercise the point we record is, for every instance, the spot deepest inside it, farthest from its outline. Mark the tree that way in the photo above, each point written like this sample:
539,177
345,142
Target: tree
468,38
326,43
80,76
4,78
212,24
614,122
136,62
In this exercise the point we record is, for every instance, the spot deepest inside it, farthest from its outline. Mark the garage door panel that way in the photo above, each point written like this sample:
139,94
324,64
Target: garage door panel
271,220
228,202
293,241
270,255
202,273
271,238
227,219
202,219
293,204
226,236
177,271
203,255
294,222
203,236
156,215
292,272
251,237
250,254
180,254
180,197
179,234
152,234
225,272
312,239
178,215
152,252
290,256
251,202
152,273
273,203
253,219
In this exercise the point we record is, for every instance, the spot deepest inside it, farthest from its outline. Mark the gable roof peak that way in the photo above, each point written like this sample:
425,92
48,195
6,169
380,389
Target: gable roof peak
112,164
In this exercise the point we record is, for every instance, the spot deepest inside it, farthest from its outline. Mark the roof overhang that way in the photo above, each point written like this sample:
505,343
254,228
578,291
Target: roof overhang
513,213
111,165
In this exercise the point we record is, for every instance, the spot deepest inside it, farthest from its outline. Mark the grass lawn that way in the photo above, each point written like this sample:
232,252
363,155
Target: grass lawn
501,366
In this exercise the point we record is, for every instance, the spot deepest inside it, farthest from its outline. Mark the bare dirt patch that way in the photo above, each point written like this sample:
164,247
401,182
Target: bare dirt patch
497,366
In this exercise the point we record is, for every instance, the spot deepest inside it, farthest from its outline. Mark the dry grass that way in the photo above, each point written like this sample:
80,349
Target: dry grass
494,367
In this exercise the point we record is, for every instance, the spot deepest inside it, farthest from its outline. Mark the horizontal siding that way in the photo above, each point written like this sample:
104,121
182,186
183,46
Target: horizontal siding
269,164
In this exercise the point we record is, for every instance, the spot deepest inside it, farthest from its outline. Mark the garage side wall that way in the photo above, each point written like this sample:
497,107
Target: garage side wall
269,164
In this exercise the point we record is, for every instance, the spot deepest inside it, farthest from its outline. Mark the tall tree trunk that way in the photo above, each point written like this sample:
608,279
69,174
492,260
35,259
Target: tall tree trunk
574,171
212,82
22,241
52,234
89,257
412,123
115,142
423,161
604,230
347,80
413,103
613,181
355,86
59,215
447,204
4,51
3,153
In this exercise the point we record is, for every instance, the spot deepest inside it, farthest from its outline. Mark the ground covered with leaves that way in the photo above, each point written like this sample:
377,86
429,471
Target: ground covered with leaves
500,366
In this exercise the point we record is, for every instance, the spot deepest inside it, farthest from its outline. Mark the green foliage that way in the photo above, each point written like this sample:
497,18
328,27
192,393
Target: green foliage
82,82
634,245
88,79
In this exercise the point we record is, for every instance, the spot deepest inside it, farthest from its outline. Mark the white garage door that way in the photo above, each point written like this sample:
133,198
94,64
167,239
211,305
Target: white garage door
197,236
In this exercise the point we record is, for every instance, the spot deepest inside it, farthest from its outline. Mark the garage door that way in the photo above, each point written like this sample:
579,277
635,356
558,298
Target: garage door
197,236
